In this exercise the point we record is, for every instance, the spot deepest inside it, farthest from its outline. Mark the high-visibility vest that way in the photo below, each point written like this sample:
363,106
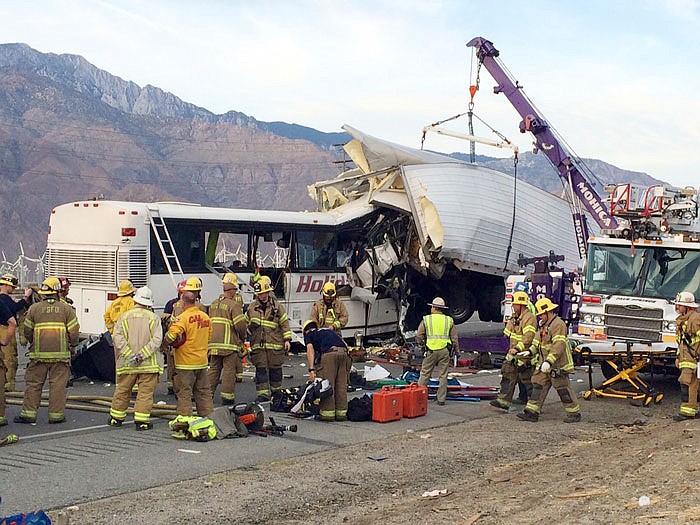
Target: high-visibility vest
437,331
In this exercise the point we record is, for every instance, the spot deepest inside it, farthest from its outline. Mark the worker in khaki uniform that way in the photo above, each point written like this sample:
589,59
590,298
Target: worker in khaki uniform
270,336
137,339
51,328
228,331
328,358
189,334
8,283
329,311
194,285
520,329
438,333
123,303
554,363
688,339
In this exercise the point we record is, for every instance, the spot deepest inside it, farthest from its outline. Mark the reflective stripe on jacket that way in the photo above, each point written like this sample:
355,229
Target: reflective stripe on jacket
688,331
228,326
333,316
521,331
268,326
553,345
138,331
51,327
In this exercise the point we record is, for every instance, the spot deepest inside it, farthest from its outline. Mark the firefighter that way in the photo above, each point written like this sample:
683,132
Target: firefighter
328,358
229,328
123,303
554,364
270,336
8,283
137,339
168,308
688,339
51,328
329,311
194,285
189,334
65,290
438,333
520,329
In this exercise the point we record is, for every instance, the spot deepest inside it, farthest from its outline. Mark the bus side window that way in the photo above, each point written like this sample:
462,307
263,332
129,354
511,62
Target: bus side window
231,250
316,250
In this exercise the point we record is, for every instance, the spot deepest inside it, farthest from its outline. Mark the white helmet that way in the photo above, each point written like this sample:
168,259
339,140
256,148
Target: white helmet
144,296
686,299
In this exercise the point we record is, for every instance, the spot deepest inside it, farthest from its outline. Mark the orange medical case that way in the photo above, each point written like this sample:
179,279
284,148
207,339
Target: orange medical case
387,405
415,400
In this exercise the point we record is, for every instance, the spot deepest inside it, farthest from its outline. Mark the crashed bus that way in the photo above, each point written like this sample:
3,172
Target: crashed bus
402,227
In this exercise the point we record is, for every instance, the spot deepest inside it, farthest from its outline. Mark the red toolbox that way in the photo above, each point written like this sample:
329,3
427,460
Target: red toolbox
387,405
415,400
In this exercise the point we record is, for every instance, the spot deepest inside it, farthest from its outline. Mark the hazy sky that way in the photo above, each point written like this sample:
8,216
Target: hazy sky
618,78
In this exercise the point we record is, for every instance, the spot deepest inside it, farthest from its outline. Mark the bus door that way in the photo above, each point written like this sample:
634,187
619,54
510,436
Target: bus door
93,304
271,252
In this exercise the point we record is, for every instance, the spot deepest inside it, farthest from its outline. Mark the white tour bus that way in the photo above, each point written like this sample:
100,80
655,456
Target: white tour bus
98,243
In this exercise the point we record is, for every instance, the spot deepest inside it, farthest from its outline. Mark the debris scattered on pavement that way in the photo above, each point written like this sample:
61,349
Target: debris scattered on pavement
438,493
189,451
377,458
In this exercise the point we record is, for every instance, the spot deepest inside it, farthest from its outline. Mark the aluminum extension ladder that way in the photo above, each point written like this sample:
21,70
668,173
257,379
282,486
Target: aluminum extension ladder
165,243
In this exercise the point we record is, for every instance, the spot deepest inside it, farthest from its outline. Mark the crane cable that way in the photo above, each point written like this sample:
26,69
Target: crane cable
515,201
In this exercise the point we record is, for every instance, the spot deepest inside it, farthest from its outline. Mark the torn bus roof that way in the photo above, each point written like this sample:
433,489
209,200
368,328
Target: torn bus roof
462,213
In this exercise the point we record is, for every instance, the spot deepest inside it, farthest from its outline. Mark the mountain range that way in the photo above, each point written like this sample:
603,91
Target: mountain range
70,131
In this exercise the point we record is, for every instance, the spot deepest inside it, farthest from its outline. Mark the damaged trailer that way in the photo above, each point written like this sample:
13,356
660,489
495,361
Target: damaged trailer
445,227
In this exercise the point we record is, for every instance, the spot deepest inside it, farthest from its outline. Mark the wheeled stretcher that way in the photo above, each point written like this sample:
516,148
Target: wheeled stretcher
622,363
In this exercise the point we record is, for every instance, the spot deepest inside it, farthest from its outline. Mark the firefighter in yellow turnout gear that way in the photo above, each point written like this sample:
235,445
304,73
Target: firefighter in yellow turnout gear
329,311
191,330
437,331
137,338
521,330
270,337
8,283
225,346
688,339
51,328
554,362
123,303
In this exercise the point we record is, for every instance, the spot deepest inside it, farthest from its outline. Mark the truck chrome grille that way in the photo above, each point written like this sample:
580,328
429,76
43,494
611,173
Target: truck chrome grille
633,322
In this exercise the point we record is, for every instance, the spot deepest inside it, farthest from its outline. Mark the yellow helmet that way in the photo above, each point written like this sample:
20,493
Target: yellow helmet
9,279
328,289
230,278
193,284
521,298
307,325
544,305
126,287
51,285
263,285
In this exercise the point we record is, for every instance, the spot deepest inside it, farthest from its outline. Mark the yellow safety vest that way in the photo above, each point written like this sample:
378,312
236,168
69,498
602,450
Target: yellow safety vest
437,331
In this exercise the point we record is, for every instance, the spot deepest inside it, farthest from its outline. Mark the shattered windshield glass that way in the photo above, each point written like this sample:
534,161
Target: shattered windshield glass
646,271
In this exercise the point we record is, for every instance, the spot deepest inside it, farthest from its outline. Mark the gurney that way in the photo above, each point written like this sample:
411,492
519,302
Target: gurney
621,364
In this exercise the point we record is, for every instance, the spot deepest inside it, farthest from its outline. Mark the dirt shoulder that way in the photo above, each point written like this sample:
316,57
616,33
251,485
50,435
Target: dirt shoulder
496,469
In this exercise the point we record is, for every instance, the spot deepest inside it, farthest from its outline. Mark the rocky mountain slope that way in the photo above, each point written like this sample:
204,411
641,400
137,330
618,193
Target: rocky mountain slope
69,131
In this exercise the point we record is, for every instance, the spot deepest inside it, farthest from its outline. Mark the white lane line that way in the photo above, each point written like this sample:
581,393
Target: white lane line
65,432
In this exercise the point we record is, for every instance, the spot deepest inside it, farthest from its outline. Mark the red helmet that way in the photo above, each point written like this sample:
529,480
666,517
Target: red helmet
181,287
65,283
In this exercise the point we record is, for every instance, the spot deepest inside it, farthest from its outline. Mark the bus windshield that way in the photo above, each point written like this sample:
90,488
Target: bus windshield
652,271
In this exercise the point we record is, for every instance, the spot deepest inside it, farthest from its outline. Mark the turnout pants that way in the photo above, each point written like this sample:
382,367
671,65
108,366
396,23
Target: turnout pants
189,383
9,353
689,392
224,369
146,383
170,366
437,360
511,373
37,372
541,383
335,366
268,370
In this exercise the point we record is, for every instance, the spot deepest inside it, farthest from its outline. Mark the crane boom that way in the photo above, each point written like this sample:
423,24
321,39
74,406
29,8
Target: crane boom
547,142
